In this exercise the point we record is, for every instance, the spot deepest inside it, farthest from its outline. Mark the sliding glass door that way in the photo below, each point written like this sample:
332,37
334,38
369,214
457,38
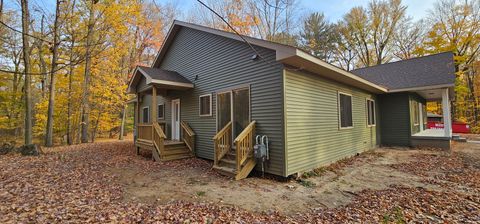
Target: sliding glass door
233,105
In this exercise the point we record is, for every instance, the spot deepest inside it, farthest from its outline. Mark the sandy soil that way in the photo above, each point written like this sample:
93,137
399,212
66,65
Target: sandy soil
336,185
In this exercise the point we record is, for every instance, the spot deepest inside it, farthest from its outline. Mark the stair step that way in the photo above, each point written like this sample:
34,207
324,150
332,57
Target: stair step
230,163
175,157
170,143
174,147
176,151
227,171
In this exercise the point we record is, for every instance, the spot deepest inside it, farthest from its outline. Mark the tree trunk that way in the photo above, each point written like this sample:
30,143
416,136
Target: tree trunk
69,102
26,59
51,99
122,126
86,82
43,64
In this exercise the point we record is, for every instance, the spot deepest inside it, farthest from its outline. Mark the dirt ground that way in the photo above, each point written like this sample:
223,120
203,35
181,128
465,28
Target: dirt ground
107,182
333,187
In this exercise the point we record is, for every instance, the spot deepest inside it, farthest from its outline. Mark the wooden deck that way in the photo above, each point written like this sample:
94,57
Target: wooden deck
152,137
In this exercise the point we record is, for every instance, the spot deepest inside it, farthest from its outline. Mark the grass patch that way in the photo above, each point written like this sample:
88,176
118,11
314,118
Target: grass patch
306,183
395,217
201,193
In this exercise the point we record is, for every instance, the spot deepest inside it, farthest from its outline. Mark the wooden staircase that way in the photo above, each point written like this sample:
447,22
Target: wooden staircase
172,150
152,137
234,160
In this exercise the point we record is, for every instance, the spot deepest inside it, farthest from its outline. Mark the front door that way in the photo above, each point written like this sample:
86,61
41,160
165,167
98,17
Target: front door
233,105
176,119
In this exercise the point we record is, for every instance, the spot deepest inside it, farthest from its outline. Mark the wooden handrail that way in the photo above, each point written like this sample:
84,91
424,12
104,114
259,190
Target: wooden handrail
188,136
158,139
159,130
222,132
222,142
244,144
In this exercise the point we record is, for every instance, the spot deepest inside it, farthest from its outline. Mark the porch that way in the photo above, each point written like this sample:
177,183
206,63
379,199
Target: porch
433,137
163,108
151,126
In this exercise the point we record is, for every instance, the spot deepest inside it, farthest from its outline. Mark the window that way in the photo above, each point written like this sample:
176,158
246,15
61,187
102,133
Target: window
345,107
415,113
146,114
371,112
424,112
206,105
161,111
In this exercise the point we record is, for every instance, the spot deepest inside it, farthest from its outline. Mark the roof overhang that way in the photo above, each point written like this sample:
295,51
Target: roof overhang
305,61
166,84
285,54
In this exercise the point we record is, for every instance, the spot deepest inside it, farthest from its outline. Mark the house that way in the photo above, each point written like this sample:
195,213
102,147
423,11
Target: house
208,94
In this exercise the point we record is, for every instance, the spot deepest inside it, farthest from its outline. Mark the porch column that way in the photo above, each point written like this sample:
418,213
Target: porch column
154,105
447,120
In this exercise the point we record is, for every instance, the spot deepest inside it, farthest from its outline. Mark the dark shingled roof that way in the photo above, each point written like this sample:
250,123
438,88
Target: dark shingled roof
160,74
432,70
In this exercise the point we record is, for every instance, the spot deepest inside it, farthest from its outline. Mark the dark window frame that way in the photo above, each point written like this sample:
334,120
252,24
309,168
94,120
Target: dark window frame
371,121
209,114
163,111
340,122
148,115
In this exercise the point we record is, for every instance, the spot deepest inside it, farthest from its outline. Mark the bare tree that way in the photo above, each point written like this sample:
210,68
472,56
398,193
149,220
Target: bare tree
276,18
26,65
409,41
374,28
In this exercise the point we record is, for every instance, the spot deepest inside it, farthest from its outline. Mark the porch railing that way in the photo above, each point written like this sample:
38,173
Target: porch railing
158,138
188,136
244,144
145,132
222,142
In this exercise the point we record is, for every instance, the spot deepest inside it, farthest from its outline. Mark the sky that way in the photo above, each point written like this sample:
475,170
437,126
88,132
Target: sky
333,9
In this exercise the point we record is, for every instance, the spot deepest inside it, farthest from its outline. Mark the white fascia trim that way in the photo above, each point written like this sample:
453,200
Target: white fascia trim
422,88
319,62
164,82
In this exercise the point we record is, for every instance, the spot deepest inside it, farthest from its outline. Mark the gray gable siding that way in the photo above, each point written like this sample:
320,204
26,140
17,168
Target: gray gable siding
221,63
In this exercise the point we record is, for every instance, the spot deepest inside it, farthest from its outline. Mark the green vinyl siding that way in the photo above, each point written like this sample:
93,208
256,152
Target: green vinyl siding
395,121
214,64
313,136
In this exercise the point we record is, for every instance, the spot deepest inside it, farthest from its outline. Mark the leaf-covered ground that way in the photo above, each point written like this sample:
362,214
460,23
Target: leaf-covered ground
74,184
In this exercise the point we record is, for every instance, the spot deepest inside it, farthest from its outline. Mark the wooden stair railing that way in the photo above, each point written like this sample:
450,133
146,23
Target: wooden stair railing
244,145
145,132
188,136
222,143
158,138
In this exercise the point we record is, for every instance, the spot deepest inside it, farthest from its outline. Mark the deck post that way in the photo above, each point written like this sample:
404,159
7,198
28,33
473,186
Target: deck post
447,120
154,104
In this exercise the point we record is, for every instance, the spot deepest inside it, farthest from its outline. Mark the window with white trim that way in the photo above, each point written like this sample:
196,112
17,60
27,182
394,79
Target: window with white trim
345,110
371,119
416,113
205,102
161,111
145,114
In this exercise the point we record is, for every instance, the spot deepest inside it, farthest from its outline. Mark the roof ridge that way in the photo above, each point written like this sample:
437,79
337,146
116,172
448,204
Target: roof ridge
404,60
